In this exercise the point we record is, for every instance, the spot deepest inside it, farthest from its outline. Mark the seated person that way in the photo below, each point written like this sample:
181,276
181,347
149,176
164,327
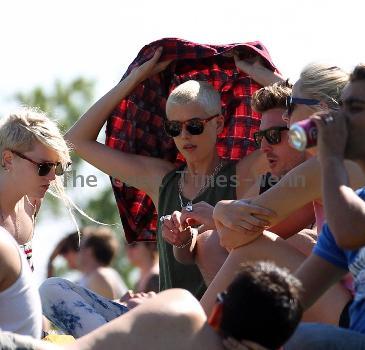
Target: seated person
272,139
144,256
68,247
260,310
97,251
318,89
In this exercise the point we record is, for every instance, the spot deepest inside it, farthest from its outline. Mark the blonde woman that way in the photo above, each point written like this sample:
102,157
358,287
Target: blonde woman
33,157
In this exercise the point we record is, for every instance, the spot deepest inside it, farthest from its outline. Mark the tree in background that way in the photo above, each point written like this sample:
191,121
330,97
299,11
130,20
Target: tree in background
66,102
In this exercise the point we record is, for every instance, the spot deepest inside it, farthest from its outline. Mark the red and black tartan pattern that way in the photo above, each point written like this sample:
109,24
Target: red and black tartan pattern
136,124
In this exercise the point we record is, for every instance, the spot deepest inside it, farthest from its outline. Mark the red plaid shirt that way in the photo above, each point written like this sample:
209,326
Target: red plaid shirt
136,124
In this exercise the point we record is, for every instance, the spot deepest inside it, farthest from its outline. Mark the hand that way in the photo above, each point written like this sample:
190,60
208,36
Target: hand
254,67
202,214
241,215
131,299
332,135
237,224
173,231
246,64
150,67
230,239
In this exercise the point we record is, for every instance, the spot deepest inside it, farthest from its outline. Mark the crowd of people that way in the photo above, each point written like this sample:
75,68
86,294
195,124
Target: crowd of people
264,252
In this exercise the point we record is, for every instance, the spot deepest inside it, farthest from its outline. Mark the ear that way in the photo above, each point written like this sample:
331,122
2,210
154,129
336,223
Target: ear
220,124
324,106
7,159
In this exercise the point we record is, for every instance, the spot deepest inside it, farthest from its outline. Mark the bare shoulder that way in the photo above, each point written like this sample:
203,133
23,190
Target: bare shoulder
9,261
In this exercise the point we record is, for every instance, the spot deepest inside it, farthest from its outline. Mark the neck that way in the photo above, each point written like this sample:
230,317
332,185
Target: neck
146,267
205,167
8,198
91,266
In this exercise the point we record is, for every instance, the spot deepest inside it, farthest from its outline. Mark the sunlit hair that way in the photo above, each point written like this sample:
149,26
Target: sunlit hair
22,129
323,82
200,92
270,97
358,73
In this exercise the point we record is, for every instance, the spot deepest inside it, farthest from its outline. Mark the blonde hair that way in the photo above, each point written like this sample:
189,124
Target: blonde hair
20,131
200,92
323,82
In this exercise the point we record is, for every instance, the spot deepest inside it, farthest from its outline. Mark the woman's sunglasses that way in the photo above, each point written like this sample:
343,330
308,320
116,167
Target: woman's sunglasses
194,126
272,135
45,168
292,101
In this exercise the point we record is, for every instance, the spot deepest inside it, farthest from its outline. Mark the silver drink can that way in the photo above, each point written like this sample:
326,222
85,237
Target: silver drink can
303,134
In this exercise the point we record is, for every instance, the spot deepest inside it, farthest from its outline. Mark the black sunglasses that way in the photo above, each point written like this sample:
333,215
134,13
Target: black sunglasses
45,168
272,135
292,101
194,126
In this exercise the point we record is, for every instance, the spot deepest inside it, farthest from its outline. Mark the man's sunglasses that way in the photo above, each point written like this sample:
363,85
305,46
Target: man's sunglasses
194,126
45,168
272,135
292,101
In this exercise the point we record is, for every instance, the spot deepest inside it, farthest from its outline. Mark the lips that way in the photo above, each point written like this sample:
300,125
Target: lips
189,147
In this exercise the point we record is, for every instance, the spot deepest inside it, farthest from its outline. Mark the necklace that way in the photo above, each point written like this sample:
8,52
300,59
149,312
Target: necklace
209,180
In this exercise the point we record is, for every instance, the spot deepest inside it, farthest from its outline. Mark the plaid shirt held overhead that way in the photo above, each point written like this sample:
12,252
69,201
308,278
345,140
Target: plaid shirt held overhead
136,124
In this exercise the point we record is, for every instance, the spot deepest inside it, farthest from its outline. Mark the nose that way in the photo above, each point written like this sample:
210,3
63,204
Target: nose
184,133
265,146
52,174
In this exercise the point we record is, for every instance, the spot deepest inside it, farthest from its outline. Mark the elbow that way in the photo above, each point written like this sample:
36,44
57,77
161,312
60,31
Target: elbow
347,241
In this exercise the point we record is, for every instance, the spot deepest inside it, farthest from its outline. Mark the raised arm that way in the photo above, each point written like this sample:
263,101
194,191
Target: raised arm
256,70
345,211
142,172
317,276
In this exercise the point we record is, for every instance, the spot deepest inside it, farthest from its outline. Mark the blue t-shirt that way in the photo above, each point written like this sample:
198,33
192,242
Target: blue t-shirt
351,260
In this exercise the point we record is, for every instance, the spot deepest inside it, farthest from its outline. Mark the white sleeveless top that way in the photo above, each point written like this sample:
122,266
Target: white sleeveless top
20,304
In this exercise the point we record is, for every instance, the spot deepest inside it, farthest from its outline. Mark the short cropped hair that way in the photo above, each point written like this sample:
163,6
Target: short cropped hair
102,242
200,92
262,305
358,73
270,97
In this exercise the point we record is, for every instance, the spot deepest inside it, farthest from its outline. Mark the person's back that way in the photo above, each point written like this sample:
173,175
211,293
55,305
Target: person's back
105,281
20,306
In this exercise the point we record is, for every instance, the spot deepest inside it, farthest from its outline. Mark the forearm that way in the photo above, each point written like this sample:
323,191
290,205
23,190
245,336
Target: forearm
90,124
345,211
184,255
261,74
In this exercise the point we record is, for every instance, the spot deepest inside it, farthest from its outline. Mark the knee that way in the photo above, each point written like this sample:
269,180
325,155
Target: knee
52,287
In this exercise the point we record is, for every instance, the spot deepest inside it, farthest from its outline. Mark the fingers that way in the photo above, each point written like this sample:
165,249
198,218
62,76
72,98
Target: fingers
255,209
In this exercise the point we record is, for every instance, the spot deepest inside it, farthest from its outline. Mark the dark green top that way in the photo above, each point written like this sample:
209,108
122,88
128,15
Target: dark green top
172,273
